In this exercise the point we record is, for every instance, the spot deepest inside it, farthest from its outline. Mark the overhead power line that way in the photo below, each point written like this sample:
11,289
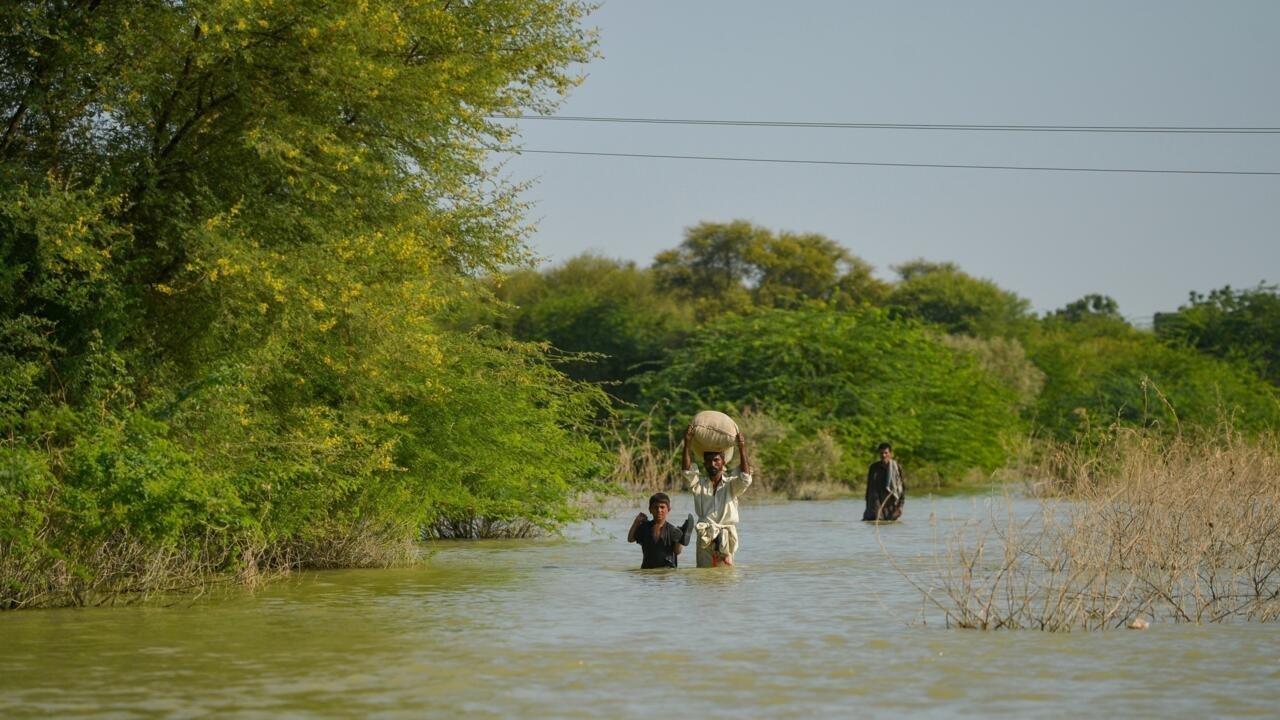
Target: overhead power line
1152,171
1185,129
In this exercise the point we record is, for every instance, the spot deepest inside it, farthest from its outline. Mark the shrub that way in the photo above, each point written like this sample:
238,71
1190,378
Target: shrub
861,376
1100,374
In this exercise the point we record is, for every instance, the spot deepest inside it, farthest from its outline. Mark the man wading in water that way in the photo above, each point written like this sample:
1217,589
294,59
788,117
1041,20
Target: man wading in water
886,493
715,501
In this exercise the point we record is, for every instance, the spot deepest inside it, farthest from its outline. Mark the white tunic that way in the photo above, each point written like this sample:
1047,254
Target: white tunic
717,511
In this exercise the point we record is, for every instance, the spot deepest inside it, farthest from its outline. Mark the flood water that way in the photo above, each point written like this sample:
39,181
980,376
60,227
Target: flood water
813,621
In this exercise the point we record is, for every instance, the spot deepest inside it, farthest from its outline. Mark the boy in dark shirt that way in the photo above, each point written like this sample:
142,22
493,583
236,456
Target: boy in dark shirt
660,541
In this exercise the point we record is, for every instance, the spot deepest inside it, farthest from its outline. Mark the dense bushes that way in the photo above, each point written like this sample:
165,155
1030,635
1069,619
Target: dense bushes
231,237
593,305
779,344
861,376
1239,325
1103,372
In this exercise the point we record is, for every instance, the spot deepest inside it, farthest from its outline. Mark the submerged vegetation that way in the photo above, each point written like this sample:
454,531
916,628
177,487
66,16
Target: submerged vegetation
1136,528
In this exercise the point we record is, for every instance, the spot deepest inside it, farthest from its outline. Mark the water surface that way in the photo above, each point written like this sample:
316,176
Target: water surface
813,621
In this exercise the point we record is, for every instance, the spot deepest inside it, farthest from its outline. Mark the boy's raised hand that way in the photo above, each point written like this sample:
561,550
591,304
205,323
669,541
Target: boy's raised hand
635,525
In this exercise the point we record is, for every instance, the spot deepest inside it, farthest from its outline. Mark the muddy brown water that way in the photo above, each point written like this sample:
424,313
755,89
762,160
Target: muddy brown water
813,621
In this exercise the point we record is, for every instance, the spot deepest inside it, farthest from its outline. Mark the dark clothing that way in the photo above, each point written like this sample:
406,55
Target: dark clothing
659,553
881,505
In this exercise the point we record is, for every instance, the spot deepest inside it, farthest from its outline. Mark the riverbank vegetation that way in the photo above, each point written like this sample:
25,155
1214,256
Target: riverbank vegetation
1133,527
234,238
265,303
796,336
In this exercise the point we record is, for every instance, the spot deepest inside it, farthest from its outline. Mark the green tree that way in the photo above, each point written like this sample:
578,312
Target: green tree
730,267
859,286
861,376
942,294
1004,359
230,231
797,268
1092,306
1241,325
1098,374
590,304
712,266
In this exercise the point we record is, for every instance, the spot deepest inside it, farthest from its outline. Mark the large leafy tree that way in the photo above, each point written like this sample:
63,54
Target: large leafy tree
1092,307
712,266
228,229
731,267
942,294
607,308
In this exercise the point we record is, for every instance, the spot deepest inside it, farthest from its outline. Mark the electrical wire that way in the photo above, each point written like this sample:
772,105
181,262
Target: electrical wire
1041,168
1182,129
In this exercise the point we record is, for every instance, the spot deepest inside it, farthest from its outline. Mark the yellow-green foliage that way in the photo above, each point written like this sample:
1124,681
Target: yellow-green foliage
942,294
229,231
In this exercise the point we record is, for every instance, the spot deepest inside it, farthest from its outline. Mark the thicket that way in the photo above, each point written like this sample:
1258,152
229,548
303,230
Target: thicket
232,237
1078,370
1101,372
855,377
1133,526
1238,325
607,315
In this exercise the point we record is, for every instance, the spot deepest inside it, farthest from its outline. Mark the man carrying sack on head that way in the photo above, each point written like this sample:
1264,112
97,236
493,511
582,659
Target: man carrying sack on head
715,498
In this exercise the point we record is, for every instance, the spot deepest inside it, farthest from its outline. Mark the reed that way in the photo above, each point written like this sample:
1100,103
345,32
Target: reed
127,571
640,464
1132,527
120,570
806,469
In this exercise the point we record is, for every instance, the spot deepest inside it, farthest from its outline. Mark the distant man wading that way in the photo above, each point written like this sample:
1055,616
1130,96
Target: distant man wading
715,502
886,492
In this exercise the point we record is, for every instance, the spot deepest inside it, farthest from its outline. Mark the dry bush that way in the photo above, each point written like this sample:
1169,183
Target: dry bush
360,545
1175,530
472,527
765,435
126,571
639,465
812,471
815,461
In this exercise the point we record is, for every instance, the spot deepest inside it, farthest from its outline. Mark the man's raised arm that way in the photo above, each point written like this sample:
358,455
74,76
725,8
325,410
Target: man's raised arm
686,461
740,484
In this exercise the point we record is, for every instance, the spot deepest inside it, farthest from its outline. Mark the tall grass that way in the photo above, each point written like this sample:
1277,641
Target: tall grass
783,462
641,461
127,570
1133,526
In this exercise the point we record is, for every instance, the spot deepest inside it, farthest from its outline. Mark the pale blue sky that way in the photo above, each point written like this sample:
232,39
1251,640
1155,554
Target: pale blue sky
1146,240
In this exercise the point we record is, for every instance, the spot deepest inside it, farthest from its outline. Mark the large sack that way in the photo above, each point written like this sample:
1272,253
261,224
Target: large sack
713,431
